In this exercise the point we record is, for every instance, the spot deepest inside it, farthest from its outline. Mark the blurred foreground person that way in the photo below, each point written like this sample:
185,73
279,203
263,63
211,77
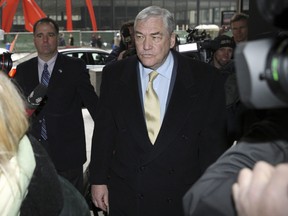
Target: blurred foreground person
262,191
239,27
29,184
160,123
267,140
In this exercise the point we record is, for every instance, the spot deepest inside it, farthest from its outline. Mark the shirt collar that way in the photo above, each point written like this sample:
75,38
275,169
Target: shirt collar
164,70
49,63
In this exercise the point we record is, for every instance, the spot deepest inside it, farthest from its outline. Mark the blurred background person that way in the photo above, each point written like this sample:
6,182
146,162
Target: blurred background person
71,40
93,40
99,42
62,41
29,184
126,46
223,51
239,27
222,58
116,40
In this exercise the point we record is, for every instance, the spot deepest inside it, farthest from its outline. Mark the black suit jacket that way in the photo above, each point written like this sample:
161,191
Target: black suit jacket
69,88
148,179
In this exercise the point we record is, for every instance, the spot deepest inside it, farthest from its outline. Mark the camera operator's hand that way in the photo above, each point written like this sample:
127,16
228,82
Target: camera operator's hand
120,56
262,191
126,53
129,52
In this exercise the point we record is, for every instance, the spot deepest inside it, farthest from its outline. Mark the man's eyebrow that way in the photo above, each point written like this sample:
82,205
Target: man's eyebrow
156,33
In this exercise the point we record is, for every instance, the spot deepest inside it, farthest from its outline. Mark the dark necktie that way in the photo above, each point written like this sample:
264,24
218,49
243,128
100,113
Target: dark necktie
44,80
152,109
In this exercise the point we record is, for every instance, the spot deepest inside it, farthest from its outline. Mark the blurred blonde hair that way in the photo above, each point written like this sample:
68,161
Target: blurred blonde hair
13,120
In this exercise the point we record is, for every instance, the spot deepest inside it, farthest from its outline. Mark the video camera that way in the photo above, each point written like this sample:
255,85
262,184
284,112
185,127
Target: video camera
262,65
198,45
128,42
6,62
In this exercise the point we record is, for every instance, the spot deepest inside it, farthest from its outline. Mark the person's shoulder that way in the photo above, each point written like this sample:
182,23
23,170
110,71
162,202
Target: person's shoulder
129,62
28,62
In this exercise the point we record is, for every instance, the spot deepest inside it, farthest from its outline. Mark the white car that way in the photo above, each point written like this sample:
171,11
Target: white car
2,50
93,57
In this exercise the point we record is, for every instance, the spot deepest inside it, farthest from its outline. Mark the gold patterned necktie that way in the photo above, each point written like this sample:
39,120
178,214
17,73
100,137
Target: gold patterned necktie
152,109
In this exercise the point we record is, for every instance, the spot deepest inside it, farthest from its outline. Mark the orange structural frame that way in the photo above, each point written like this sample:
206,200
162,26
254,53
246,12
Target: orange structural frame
32,13
92,14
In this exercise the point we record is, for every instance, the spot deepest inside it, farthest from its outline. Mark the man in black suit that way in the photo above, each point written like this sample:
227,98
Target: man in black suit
135,175
61,109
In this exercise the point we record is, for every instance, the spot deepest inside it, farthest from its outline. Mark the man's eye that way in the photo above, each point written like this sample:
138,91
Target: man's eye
51,34
157,38
140,37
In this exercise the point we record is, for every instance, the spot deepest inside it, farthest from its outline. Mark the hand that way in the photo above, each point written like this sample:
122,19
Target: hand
100,196
263,191
120,56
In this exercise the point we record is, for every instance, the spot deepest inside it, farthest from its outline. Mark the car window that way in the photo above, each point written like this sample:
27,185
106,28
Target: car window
75,54
99,58
90,58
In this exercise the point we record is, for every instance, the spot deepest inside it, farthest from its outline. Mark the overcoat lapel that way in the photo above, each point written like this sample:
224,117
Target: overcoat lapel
131,105
181,106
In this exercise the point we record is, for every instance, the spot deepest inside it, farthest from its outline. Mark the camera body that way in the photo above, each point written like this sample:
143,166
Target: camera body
6,62
262,65
198,45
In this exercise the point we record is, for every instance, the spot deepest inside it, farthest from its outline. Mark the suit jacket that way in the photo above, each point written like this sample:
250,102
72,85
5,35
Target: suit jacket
148,179
69,88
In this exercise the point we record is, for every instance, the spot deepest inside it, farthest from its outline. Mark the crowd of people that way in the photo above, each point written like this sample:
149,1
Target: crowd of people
195,153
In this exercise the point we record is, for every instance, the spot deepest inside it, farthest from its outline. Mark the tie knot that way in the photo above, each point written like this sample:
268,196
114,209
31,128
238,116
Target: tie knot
45,66
153,75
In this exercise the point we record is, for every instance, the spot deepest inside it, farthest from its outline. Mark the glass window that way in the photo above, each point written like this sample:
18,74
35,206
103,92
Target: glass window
145,3
158,3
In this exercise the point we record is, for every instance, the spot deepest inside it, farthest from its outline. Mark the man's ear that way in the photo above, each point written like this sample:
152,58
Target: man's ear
172,40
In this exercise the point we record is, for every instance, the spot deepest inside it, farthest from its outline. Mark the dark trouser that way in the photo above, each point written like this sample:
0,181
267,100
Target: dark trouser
75,177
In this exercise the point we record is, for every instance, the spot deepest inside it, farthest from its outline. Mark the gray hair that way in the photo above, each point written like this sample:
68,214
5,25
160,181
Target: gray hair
155,11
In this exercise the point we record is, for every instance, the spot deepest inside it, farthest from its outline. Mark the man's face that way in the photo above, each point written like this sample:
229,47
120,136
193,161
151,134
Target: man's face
240,30
45,40
153,42
222,56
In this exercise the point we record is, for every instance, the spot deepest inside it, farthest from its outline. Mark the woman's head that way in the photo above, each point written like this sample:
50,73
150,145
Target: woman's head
13,118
